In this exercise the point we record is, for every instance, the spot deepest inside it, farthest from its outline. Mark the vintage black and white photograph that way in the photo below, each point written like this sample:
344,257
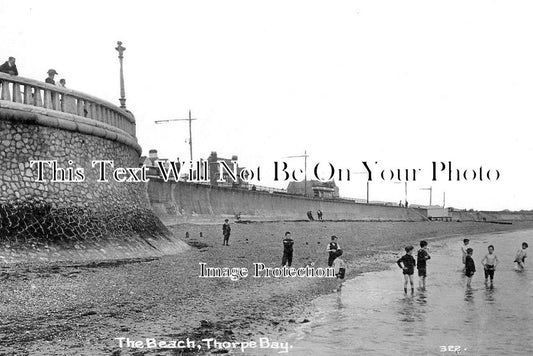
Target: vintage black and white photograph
295,177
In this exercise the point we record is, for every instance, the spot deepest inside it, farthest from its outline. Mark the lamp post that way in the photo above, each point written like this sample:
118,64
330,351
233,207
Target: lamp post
121,50
190,119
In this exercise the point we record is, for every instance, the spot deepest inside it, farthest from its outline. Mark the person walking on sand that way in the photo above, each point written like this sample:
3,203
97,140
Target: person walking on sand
421,258
407,263
489,262
288,243
333,249
226,231
520,258
470,266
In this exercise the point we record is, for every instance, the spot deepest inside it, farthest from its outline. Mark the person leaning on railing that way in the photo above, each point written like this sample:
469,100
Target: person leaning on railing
9,67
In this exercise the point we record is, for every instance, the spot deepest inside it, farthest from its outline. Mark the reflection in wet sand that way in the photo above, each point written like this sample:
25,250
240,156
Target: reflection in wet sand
372,315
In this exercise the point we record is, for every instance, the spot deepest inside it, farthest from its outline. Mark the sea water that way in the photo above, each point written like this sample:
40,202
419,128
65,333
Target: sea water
372,315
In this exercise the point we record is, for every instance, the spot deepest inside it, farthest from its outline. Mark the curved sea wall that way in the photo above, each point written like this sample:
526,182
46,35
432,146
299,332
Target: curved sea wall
178,202
84,219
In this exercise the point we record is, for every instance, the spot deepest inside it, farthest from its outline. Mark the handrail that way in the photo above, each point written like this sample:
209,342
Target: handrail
35,93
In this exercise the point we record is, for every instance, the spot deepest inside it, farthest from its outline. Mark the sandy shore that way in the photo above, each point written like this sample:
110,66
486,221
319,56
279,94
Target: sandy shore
69,308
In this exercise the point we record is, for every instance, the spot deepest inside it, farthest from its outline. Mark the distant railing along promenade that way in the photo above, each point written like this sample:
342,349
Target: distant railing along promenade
89,114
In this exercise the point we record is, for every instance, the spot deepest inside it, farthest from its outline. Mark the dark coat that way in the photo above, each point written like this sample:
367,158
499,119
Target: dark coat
5,68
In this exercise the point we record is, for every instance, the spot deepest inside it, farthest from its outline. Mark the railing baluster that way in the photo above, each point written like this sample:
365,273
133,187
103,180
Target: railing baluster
56,101
17,98
48,99
28,95
38,100
5,95
79,107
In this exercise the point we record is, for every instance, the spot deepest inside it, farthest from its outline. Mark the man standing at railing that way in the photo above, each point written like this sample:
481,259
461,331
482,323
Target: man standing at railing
9,67
51,74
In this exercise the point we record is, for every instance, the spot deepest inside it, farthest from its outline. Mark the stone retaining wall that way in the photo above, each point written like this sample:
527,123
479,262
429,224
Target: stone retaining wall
44,221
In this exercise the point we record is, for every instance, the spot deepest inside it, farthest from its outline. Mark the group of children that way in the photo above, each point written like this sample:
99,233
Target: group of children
489,262
407,263
334,250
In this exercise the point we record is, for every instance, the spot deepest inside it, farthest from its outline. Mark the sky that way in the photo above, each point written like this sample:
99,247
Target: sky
403,84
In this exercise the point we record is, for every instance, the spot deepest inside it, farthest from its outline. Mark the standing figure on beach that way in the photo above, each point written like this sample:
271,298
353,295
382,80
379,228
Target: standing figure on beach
464,247
470,266
333,249
489,262
521,257
407,263
288,242
421,258
319,214
226,231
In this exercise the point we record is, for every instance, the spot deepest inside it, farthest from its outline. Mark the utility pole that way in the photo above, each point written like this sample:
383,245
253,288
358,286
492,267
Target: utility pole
430,193
405,183
305,155
444,199
190,119
122,99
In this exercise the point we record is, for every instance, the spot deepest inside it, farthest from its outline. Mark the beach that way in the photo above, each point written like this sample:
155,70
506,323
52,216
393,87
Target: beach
71,308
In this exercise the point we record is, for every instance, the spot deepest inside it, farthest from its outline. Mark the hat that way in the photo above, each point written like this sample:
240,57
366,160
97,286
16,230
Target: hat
52,71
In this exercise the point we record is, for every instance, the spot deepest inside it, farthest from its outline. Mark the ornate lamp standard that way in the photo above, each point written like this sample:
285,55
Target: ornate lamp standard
122,99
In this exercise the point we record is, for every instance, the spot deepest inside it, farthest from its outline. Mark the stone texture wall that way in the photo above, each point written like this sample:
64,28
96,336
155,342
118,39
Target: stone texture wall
37,220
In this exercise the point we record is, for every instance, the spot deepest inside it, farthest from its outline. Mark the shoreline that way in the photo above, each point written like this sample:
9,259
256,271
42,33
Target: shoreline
165,298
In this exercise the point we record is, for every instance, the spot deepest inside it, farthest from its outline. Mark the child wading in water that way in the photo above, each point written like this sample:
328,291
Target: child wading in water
463,250
421,258
521,257
340,268
407,263
489,262
470,266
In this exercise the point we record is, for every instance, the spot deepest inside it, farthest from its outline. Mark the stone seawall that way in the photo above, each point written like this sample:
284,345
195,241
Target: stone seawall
179,202
71,220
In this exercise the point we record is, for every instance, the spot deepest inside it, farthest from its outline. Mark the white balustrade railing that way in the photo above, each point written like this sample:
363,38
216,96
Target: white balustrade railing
35,93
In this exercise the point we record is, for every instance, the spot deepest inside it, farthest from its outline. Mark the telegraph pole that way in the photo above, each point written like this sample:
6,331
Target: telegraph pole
122,99
430,193
190,119
305,155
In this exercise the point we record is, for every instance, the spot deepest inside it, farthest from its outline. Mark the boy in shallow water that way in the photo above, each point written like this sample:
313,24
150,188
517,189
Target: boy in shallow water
470,266
521,257
407,263
489,262
463,250
421,258
340,268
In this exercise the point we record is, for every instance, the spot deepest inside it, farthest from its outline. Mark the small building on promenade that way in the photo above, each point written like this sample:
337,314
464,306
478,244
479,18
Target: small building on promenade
315,189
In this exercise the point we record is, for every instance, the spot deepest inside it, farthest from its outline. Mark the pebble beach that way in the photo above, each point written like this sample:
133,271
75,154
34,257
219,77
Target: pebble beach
72,308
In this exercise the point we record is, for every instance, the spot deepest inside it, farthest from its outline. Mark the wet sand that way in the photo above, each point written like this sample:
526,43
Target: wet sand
69,308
